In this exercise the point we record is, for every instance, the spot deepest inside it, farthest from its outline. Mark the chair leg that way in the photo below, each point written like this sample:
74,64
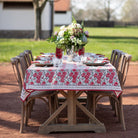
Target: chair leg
112,102
116,109
22,117
26,114
32,102
122,120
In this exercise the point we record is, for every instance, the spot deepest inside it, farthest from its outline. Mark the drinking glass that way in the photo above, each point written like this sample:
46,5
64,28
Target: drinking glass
59,54
81,53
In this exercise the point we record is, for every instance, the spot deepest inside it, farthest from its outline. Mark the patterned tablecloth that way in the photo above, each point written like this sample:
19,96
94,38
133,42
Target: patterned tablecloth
71,76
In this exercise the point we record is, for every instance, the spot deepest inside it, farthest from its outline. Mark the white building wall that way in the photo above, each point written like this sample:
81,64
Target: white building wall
63,18
22,19
46,17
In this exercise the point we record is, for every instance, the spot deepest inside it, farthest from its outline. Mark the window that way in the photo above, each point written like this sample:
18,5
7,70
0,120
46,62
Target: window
17,5
62,12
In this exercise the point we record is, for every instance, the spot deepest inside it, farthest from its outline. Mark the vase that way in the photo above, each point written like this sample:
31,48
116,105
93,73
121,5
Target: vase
81,51
71,53
58,53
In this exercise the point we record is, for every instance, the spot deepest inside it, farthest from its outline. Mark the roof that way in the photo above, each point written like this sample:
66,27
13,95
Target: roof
59,5
62,5
16,0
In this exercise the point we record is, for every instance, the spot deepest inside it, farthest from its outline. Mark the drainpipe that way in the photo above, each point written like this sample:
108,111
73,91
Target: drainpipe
52,16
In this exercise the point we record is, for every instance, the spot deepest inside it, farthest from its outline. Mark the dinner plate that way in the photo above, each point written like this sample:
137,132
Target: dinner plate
95,64
41,63
90,61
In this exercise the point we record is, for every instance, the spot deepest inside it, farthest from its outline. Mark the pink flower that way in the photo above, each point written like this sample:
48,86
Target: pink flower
56,33
86,33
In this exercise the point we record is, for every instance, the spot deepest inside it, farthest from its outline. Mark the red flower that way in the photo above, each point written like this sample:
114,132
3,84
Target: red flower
86,81
55,82
107,75
92,83
79,83
98,81
95,75
31,83
47,74
103,83
110,81
86,70
71,74
43,83
67,83
115,84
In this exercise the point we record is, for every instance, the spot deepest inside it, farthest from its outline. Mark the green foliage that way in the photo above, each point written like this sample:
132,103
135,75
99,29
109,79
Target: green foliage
101,40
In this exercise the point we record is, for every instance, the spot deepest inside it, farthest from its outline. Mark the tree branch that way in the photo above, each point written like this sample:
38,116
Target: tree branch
43,5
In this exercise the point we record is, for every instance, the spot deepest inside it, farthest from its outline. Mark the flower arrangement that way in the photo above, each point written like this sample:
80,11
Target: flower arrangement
72,35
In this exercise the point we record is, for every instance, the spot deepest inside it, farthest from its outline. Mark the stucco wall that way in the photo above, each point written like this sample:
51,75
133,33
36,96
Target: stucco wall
22,19
63,19
21,22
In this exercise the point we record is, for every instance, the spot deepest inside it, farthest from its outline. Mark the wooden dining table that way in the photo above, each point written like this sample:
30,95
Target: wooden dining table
71,79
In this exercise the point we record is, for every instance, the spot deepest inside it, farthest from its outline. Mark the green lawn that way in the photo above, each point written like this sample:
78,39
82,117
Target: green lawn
101,40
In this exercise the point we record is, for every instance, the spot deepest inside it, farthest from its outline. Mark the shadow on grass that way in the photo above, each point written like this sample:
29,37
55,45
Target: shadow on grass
113,37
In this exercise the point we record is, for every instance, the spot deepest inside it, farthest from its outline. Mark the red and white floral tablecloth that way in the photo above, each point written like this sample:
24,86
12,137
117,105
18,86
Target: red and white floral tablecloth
71,76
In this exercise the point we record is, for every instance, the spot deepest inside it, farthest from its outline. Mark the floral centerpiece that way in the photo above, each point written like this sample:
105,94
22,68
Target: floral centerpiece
71,36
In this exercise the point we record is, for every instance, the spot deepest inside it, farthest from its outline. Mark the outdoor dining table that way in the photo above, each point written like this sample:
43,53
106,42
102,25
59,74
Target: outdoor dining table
75,78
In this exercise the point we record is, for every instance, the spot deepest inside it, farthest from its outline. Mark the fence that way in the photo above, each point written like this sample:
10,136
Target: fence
107,24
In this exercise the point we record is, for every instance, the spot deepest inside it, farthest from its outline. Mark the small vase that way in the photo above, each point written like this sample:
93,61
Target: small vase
58,53
81,51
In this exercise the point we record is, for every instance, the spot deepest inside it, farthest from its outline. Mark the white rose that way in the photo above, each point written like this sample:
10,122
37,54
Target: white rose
78,25
62,27
61,33
79,41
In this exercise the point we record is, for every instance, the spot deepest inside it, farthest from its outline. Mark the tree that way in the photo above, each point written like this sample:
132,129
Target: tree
106,9
102,9
129,11
38,7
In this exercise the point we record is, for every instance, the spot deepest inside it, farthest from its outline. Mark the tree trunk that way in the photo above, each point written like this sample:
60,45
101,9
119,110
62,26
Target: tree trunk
108,11
37,35
38,7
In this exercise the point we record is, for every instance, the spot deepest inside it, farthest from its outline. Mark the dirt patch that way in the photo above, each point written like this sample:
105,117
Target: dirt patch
10,110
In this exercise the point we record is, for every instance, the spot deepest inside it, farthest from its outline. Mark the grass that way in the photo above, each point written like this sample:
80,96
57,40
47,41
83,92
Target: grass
101,40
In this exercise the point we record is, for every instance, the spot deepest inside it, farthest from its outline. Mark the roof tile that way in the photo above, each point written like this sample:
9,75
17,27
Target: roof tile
62,5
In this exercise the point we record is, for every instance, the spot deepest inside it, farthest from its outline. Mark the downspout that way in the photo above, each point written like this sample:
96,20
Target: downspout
52,16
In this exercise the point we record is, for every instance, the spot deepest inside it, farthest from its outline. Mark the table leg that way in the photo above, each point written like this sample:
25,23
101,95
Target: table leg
71,102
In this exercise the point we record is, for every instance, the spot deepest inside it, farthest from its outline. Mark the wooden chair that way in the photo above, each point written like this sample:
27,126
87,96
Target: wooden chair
19,67
28,56
115,61
93,97
115,58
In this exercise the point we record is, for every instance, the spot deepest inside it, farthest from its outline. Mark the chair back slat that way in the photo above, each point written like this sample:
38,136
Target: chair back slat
29,56
20,66
123,68
17,71
112,57
115,58
23,63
